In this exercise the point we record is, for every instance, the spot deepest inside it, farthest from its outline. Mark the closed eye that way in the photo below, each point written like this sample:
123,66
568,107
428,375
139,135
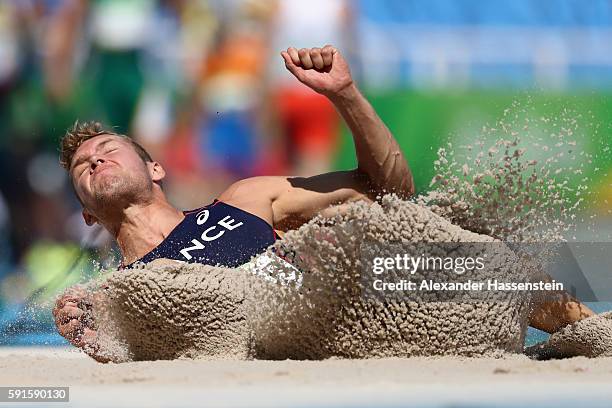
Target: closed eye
110,150
80,169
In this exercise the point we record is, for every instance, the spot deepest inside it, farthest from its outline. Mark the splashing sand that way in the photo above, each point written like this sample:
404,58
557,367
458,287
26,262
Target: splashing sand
517,180
166,311
330,316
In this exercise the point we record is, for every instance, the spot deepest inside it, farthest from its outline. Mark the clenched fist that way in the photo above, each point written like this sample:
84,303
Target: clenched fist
323,69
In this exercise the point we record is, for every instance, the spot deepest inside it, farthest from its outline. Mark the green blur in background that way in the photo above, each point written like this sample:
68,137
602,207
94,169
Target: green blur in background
423,122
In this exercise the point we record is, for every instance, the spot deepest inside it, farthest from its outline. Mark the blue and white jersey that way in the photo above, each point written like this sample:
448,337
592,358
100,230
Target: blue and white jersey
218,234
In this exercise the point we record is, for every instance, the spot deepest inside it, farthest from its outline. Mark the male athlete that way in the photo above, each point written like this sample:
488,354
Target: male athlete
120,188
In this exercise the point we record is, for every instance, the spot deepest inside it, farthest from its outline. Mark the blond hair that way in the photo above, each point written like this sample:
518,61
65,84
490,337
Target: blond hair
81,132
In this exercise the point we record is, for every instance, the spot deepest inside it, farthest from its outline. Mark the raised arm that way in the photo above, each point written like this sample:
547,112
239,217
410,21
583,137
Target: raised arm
287,202
379,157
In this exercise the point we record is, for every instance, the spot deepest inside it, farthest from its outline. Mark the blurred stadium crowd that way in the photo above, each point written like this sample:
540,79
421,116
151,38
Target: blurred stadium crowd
201,85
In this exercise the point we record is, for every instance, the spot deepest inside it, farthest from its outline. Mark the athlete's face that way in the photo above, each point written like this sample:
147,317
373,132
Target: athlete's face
107,173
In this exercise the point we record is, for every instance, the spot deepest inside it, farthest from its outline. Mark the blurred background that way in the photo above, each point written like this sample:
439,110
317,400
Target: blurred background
200,84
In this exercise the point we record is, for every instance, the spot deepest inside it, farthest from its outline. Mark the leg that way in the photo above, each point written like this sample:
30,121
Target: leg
553,313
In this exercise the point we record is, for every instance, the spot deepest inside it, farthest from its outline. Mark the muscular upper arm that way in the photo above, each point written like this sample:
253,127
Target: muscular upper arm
288,202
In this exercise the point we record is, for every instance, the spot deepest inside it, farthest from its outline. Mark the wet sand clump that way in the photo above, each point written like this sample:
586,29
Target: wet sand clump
166,311
591,337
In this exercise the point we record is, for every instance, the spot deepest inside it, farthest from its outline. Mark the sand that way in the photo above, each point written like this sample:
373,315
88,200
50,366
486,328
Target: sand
514,180
168,311
331,316
417,381
591,337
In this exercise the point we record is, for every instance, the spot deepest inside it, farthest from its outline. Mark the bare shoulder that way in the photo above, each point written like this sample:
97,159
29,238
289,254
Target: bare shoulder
253,188
288,202
254,195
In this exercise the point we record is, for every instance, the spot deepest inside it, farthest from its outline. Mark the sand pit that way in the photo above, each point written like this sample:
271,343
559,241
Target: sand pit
165,311
513,381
